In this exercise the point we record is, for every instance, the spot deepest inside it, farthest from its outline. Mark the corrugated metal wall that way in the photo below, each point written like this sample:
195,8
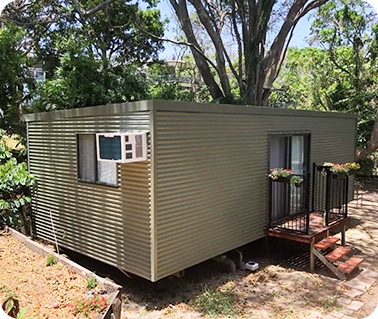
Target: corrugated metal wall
211,178
111,224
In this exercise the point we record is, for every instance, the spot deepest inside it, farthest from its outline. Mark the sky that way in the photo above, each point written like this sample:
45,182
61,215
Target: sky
299,37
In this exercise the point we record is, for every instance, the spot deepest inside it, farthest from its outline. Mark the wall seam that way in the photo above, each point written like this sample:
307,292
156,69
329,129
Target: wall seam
153,197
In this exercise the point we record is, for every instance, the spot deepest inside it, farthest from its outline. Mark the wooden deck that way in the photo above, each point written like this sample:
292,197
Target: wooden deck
317,230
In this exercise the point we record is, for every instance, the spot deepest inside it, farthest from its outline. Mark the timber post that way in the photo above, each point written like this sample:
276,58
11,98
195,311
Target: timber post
312,257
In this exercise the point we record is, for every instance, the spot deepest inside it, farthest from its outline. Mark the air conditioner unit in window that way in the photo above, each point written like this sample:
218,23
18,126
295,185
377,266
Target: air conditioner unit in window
121,147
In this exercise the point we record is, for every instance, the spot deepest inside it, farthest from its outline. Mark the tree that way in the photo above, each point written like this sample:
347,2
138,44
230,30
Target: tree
13,62
348,31
258,59
92,55
80,81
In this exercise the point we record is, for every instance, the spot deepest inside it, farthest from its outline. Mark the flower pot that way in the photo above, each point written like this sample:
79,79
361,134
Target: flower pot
321,168
282,180
352,172
297,185
338,176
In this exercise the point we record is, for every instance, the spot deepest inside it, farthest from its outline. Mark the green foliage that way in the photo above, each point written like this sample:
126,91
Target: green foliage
91,60
369,166
215,303
176,81
51,260
330,302
91,282
343,76
15,185
81,81
13,63
11,304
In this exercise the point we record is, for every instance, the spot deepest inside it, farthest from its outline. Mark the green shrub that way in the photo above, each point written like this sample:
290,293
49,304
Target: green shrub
15,189
215,303
51,260
91,283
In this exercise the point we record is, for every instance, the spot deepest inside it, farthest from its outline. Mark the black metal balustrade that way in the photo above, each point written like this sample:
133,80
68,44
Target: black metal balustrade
329,193
289,207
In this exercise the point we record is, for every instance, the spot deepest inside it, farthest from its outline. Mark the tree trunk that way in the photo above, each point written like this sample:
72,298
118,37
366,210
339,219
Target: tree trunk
202,64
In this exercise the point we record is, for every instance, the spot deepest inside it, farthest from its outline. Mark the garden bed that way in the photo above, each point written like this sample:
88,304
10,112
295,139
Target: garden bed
47,291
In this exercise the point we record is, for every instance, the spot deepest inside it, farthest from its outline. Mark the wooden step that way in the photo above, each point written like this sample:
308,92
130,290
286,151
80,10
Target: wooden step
326,242
349,265
338,253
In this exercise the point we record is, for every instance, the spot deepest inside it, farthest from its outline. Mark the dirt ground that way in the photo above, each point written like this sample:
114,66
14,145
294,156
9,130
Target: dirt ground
281,289
37,285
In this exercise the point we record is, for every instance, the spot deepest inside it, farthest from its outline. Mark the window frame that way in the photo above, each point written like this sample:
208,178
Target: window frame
96,181
307,146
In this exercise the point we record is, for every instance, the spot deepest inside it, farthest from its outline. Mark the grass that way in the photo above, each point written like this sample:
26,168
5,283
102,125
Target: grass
91,283
329,303
215,303
51,260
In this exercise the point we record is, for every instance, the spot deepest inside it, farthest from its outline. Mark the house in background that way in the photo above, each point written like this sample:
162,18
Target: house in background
37,72
154,187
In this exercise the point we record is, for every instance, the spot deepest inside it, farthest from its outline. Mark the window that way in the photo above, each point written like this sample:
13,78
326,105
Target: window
290,152
89,169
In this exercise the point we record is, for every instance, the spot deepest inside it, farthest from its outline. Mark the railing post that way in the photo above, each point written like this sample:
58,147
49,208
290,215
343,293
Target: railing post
270,203
346,196
313,187
307,203
328,196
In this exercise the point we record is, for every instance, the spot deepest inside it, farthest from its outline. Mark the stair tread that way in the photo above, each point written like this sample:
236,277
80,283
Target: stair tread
349,265
338,253
326,242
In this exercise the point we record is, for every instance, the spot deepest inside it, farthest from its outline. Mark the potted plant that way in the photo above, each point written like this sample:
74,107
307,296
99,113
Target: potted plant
352,167
339,170
296,180
280,174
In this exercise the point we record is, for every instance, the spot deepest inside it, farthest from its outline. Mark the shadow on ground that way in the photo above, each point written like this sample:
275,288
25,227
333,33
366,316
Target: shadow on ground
272,289
209,274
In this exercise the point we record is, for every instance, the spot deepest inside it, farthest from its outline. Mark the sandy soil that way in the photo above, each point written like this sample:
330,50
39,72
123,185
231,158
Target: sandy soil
282,288
37,285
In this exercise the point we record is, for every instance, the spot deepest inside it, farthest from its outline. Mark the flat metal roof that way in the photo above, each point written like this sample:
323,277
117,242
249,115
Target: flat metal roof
174,106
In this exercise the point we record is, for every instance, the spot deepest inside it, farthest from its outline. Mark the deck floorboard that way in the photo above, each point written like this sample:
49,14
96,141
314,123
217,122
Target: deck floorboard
317,230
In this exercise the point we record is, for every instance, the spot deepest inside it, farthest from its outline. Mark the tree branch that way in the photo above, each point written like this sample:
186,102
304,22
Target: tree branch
276,55
217,42
97,8
190,45
240,48
202,62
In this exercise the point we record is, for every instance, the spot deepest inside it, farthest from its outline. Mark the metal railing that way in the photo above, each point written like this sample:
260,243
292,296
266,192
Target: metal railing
329,193
289,205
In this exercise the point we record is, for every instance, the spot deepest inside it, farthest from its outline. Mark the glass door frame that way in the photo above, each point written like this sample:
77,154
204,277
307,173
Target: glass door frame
307,148
288,157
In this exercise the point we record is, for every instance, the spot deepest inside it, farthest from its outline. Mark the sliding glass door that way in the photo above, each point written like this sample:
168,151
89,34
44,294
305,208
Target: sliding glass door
289,151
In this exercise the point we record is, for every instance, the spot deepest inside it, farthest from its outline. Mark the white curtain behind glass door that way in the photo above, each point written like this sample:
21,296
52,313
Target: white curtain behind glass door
297,155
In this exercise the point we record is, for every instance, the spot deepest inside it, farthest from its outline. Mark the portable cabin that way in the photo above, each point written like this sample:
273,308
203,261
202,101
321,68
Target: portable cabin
200,191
